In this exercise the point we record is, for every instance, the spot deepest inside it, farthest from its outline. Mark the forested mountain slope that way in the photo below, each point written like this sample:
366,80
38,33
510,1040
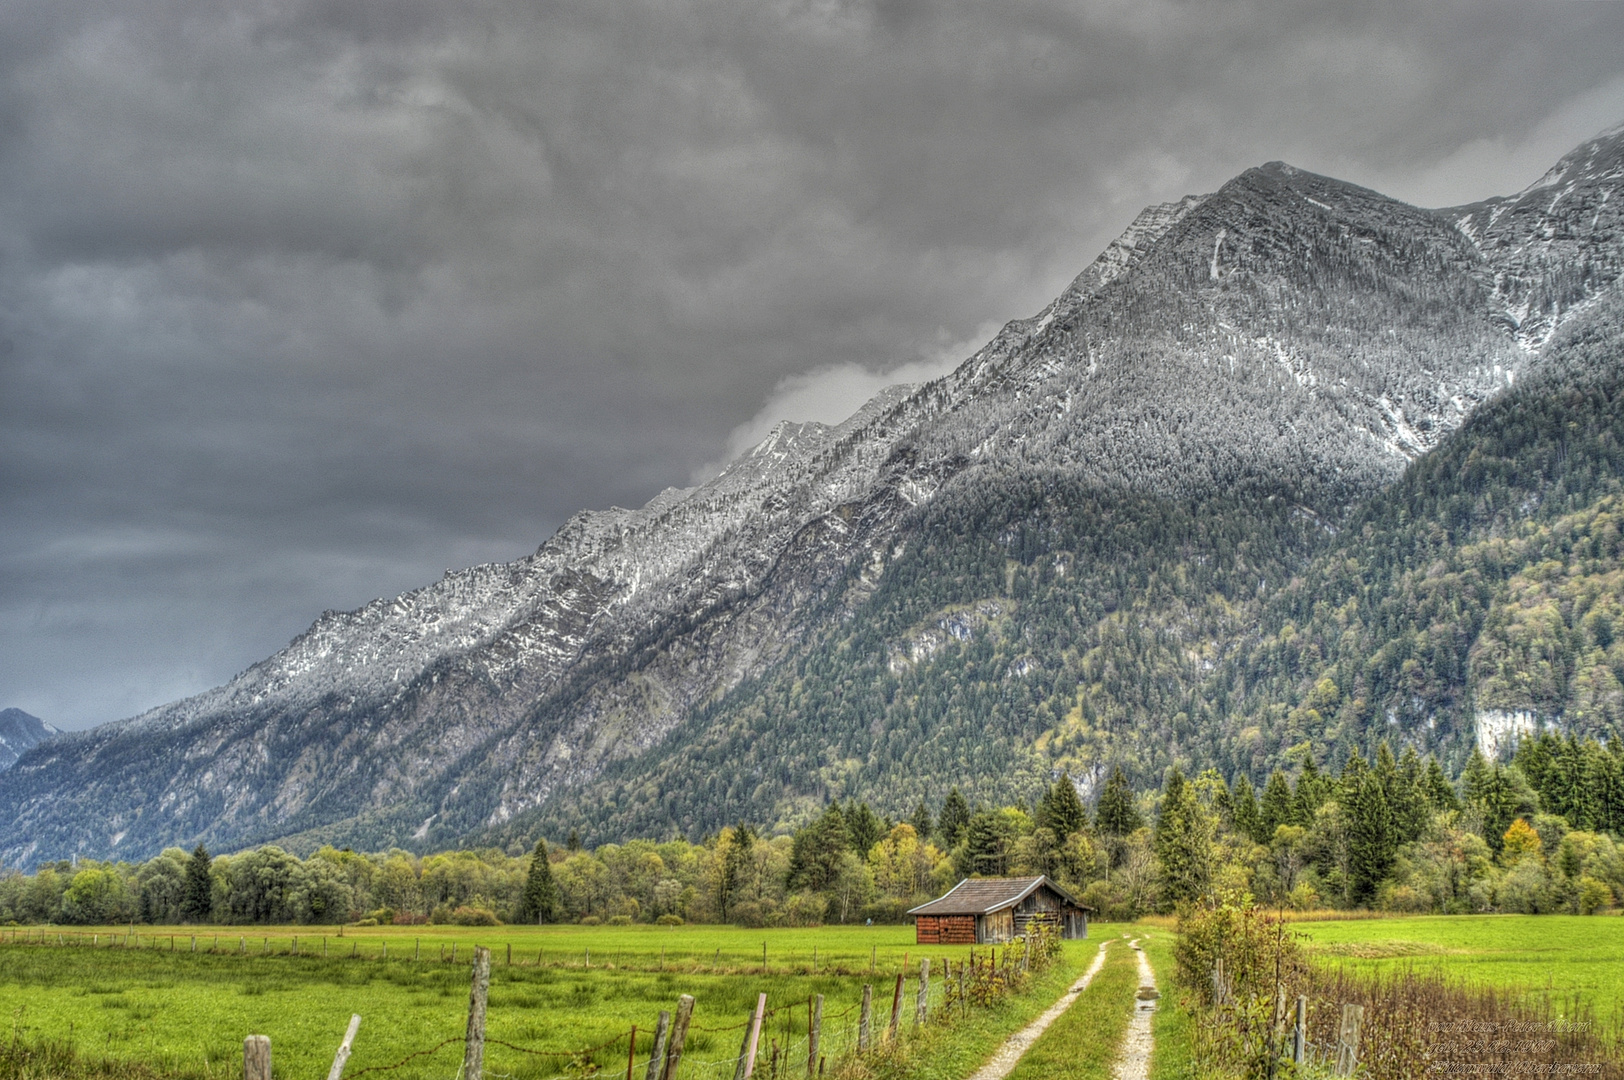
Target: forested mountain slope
1155,522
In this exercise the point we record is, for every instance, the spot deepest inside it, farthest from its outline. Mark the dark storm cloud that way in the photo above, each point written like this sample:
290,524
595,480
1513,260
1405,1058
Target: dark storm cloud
303,302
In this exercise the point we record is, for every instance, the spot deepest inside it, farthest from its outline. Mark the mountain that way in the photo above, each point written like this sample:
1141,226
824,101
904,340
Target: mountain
1082,546
20,732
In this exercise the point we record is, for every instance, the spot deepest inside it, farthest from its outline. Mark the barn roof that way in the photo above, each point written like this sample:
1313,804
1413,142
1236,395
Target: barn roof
979,896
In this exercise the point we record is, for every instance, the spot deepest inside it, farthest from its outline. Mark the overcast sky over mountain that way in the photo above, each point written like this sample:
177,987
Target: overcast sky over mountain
303,302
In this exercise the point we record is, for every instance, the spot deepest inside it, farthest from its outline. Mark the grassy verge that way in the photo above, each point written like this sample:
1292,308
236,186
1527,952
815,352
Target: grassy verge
1083,1043
1170,1027
953,1048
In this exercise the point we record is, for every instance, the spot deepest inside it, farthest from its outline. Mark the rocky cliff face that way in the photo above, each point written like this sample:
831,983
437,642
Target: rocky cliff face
19,733
1288,332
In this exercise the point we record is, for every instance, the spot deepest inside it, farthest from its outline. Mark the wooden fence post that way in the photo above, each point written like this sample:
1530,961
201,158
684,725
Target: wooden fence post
922,1003
679,1036
896,1010
814,1034
656,1054
343,1054
1347,1041
744,1048
1299,1037
755,1034
864,1017
473,1056
256,1057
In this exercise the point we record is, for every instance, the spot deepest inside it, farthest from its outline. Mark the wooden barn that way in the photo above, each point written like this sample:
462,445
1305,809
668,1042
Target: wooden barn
986,911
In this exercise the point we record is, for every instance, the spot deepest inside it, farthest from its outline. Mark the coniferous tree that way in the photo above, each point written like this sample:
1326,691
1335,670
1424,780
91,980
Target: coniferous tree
1408,800
921,822
864,827
1116,814
1248,819
1183,842
1440,793
954,820
986,846
197,904
735,858
1060,810
1279,806
1372,842
539,902
1312,790
815,851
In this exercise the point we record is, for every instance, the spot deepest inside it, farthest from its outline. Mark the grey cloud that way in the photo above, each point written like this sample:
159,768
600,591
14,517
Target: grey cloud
303,302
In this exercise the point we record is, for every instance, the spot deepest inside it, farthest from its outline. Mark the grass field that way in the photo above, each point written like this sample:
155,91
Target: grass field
1559,955
187,1012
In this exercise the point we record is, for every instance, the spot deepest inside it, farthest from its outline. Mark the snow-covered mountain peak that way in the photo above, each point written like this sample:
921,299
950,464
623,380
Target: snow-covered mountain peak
1288,331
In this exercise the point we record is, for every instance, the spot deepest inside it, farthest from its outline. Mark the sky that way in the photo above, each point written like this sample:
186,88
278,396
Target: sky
303,302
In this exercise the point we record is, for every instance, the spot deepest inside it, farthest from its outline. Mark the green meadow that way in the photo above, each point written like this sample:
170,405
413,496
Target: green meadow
151,998
1560,955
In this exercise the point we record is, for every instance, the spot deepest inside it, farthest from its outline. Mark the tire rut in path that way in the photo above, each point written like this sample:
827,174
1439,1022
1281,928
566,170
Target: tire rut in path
1134,1061
1008,1055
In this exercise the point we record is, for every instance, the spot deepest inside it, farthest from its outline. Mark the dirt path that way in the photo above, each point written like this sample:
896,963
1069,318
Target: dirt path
1134,1063
1002,1062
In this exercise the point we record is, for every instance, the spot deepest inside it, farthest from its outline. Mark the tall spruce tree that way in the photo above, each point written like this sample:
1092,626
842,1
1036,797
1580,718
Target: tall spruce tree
1313,789
1279,805
1244,812
197,903
921,822
1440,793
1060,810
815,851
1116,814
865,828
954,820
1183,842
539,902
1372,840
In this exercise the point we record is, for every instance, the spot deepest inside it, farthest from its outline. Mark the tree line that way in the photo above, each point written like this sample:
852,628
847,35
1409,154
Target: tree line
1539,833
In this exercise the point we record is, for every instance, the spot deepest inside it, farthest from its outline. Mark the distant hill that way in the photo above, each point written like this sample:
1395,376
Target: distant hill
1290,467
19,733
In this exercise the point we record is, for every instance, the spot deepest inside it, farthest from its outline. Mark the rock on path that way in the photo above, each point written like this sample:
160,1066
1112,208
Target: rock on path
1134,1061
1002,1062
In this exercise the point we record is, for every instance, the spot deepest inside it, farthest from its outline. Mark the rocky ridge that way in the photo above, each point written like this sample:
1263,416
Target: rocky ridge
1289,327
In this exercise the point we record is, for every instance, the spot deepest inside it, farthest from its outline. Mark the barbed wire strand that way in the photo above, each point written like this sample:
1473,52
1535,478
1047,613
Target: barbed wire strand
409,1057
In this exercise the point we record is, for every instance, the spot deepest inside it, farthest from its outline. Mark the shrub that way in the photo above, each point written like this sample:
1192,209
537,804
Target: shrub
620,920
1594,895
669,920
591,920
467,915
384,916
365,922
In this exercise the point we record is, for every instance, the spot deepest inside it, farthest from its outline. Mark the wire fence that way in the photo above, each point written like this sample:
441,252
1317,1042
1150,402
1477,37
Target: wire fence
791,1039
